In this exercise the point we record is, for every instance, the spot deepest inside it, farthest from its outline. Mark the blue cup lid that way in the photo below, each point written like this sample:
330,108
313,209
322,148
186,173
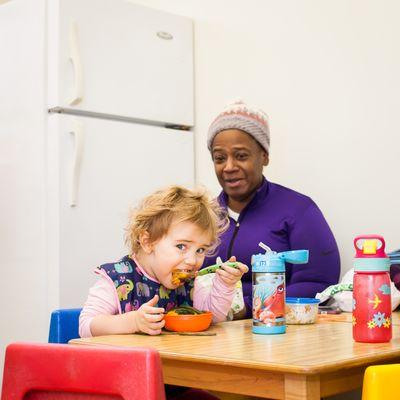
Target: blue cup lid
275,262
301,300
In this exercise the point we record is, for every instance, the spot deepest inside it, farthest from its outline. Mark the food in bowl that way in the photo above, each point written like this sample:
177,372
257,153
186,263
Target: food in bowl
301,310
187,319
185,310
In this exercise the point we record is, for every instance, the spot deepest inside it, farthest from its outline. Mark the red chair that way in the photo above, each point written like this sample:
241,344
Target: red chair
35,371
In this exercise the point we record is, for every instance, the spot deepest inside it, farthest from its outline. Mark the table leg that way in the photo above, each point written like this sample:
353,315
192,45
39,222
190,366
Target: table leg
302,387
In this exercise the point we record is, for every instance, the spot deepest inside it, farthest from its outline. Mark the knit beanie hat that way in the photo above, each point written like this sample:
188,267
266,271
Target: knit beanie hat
239,115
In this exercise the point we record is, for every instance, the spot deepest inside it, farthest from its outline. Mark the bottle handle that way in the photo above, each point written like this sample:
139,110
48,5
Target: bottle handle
380,251
295,256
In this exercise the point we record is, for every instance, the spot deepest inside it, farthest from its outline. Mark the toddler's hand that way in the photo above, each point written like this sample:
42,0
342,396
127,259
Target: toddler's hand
149,319
229,275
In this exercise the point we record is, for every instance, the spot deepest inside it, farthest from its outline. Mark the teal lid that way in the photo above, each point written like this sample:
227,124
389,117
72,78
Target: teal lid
372,264
301,300
275,262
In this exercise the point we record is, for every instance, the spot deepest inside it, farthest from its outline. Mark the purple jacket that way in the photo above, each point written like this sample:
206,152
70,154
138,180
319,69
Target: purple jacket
284,220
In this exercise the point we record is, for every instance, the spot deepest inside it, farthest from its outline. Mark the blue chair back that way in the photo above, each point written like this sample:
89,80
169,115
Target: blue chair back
64,325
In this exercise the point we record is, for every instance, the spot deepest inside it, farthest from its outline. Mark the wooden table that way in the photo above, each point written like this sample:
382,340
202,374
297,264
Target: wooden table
308,362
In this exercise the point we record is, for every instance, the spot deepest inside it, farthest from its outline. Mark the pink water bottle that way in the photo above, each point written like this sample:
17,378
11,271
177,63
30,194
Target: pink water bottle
372,309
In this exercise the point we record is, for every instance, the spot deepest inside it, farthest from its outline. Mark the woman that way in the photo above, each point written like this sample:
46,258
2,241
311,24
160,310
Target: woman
262,211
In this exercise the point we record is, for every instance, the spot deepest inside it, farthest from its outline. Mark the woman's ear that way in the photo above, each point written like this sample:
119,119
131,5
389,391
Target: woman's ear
145,242
265,158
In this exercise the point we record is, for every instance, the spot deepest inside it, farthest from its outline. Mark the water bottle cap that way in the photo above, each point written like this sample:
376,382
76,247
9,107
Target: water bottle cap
275,262
372,246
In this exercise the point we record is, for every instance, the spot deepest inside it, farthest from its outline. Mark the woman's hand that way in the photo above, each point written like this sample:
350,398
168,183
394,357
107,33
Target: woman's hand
229,275
148,318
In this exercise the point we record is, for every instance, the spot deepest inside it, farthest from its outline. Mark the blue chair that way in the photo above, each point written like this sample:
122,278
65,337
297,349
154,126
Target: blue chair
64,325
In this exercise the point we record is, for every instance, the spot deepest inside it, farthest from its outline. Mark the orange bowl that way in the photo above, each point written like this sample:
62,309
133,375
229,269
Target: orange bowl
188,323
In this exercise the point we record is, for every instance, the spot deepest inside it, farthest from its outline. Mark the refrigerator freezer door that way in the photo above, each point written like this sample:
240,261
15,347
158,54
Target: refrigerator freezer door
118,58
108,166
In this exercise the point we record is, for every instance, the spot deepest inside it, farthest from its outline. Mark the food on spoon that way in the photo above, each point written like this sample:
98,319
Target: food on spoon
180,276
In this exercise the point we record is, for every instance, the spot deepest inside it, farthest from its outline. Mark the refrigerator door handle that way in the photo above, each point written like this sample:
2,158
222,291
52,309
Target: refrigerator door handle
75,58
76,162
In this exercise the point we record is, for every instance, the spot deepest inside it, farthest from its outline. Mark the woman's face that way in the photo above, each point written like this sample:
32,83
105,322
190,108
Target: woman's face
238,163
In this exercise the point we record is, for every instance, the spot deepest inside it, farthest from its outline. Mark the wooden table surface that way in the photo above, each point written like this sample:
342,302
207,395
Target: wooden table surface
308,362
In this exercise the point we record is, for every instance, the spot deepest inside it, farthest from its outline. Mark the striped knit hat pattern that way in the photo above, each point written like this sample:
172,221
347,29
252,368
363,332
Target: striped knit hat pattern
239,115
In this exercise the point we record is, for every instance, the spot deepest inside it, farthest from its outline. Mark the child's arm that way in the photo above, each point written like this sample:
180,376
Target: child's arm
113,324
219,298
147,319
101,314
101,301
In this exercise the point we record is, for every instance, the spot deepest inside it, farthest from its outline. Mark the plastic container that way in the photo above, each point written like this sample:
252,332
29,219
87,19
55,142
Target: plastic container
268,271
301,310
372,310
188,323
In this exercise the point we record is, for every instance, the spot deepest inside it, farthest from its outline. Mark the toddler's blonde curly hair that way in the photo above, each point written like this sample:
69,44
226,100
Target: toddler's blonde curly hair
176,204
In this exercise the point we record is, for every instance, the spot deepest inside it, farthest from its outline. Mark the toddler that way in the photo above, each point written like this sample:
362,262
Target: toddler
172,229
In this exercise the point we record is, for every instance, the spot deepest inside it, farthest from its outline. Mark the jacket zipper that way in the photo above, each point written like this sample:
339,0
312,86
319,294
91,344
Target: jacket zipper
232,240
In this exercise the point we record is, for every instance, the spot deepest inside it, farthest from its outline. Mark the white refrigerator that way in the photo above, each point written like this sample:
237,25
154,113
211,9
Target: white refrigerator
96,111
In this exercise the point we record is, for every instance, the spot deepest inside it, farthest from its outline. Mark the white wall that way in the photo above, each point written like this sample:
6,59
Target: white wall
23,281
327,73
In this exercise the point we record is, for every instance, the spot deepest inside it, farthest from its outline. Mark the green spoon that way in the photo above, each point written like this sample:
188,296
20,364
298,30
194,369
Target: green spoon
213,268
